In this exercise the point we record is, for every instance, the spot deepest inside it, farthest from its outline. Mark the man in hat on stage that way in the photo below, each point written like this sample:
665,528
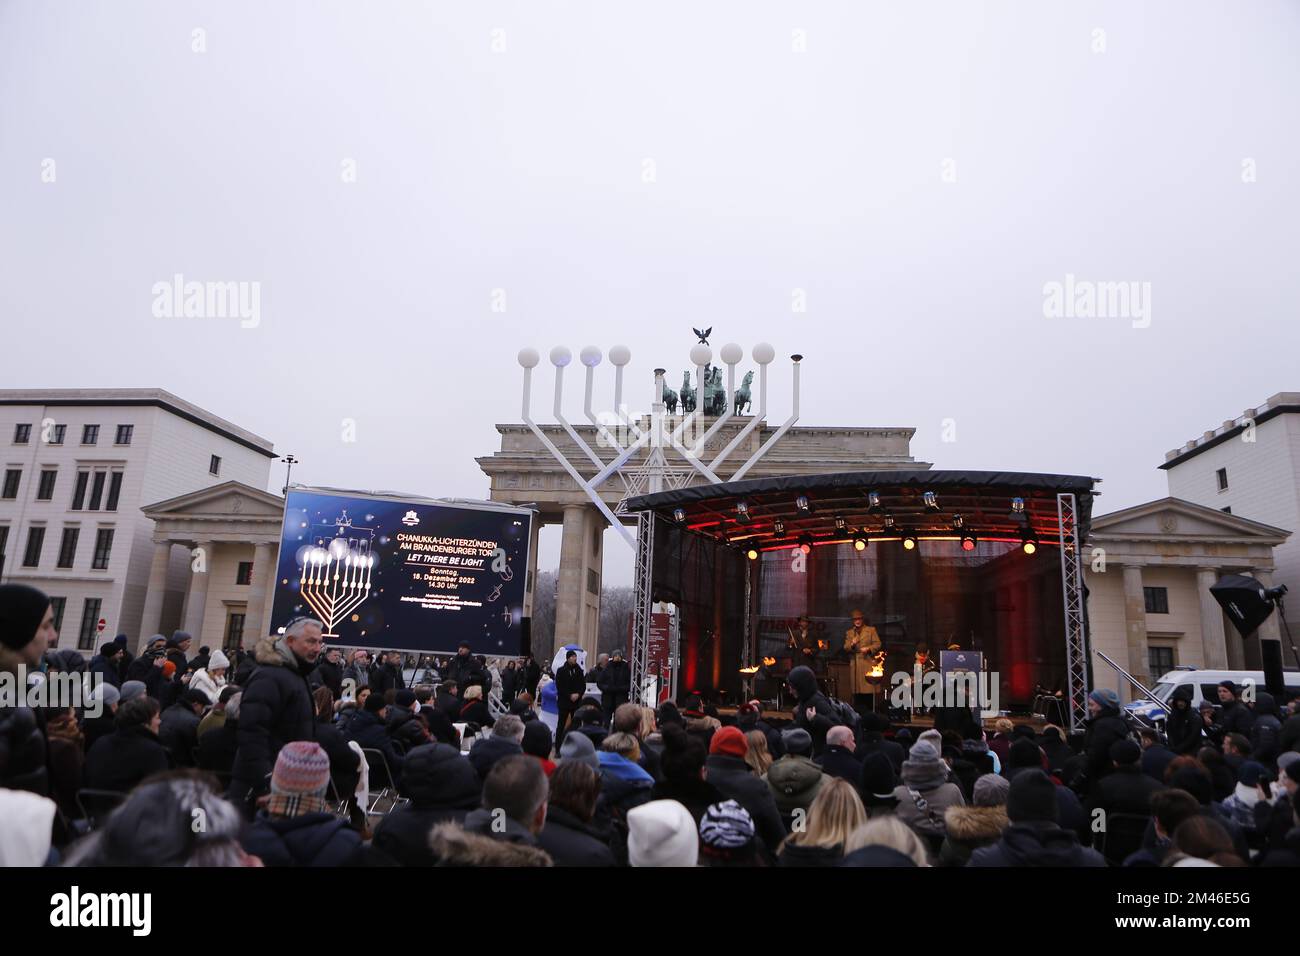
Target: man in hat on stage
863,645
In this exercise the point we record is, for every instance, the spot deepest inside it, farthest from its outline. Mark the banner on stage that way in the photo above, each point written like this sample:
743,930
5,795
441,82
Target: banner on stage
408,574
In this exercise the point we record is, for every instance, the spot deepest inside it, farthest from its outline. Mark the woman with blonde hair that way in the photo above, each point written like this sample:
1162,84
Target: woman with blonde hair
834,815
887,832
757,755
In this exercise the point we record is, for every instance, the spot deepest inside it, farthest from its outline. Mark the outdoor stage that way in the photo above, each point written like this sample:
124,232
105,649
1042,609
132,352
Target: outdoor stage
986,561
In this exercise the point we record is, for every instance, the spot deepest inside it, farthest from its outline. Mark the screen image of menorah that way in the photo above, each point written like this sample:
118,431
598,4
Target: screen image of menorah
336,571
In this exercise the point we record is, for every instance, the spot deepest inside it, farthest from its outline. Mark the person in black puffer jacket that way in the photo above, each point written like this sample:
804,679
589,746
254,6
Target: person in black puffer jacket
1266,729
369,729
131,753
567,834
465,670
405,725
329,672
1183,724
1234,716
1105,728
26,629
296,827
1033,837
179,729
442,788
277,705
812,711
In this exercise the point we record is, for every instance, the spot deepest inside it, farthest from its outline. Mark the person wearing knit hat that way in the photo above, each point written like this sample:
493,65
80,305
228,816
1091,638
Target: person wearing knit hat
296,828
727,836
132,689
878,784
797,741
1024,753
580,748
26,626
730,741
976,826
1033,837
1105,698
537,743
925,793
794,779
726,769
1104,726
661,833
211,679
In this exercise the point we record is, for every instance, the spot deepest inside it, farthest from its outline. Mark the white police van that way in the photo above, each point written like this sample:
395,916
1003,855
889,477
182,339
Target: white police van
1204,685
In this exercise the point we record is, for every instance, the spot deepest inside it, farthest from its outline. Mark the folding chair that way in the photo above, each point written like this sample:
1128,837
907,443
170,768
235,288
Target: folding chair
386,799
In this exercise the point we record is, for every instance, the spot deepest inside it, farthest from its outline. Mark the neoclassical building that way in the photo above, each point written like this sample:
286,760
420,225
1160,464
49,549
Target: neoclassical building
1148,576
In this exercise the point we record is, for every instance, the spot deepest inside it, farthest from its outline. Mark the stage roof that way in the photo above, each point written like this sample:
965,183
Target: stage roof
982,499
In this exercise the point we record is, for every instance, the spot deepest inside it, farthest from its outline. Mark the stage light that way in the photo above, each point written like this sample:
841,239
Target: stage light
752,554
1017,506
957,522
930,500
679,515
968,542
805,543
840,523
889,522
873,501
778,528
860,543
909,541
1029,544
742,510
803,504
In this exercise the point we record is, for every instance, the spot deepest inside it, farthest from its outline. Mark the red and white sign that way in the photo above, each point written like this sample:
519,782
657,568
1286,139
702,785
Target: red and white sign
99,627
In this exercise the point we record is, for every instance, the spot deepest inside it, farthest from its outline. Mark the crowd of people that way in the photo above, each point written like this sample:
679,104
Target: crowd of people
293,755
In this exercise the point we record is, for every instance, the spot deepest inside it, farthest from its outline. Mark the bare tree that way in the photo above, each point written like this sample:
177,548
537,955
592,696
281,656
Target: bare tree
616,606
544,615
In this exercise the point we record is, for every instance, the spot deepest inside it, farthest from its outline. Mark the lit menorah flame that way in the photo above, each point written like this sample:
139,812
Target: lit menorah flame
335,580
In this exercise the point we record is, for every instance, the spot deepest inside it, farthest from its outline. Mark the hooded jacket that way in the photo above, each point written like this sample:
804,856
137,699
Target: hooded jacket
1107,728
804,683
451,844
1036,844
443,788
1183,724
1265,732
312,839
275,709
970,829
795,782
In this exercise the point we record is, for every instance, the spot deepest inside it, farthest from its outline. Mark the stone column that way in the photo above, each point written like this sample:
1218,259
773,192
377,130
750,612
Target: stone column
263,573
196,602
1135,628
571,581
1213,639
151,619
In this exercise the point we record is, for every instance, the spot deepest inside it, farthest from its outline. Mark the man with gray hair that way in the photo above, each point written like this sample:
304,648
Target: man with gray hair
276,707
506,741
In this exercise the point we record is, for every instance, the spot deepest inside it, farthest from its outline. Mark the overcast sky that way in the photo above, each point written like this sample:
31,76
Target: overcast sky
627,171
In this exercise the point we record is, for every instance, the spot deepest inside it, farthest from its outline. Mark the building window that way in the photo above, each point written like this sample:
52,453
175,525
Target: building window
97,490
1221,476
57,604
68,546
114,491
4,544
12,477
22,434
90,435
55,434
234,630
35,541
124,434
103,548
1160,660
1157,600
593,581
89,624
45,488
79,493
214,465
245,573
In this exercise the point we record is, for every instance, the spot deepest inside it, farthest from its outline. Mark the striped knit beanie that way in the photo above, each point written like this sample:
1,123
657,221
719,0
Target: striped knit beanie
301,768
726,826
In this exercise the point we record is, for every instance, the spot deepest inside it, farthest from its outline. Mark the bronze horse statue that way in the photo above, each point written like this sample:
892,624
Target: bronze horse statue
687,393
742,393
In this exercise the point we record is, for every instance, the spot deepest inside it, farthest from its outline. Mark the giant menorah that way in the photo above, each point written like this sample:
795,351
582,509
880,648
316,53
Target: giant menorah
336,576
